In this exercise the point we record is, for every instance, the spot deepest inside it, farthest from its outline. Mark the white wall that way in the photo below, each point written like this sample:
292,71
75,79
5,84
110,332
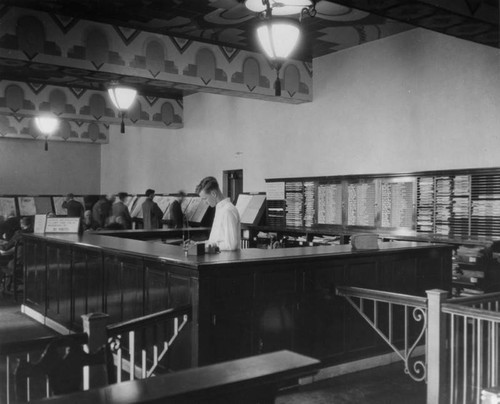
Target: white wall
66,167
413,102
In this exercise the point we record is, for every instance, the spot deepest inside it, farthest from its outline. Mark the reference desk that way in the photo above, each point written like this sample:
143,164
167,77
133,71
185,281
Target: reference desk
244,302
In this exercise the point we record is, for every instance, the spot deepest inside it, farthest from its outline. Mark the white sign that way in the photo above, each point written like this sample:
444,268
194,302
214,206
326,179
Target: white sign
62,225
40,221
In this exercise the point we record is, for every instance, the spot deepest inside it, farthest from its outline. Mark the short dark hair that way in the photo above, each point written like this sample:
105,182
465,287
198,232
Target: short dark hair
70,195
150,192
122,195
207,184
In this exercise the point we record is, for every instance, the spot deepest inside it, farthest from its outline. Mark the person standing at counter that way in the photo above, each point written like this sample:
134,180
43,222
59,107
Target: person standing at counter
176,215
120,211
73,207
101,211
226,229
151,212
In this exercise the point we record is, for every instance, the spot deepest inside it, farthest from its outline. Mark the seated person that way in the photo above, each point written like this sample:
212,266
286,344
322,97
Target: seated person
9,227
16,262
88,223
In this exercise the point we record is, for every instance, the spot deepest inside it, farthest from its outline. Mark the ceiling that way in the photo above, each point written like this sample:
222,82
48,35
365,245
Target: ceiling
336,26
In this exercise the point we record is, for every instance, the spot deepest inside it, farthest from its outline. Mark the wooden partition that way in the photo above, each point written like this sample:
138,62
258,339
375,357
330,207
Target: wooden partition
244,302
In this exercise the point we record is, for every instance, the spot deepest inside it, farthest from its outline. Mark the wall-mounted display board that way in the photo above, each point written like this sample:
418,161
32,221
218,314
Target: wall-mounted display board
454,204
361,203
136,212
163,202
196,210
130,201
8,207
26,205
43,204
251,208
275,195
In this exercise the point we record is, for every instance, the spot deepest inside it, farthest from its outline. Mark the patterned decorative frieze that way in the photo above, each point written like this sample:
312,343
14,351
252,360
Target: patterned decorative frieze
38,47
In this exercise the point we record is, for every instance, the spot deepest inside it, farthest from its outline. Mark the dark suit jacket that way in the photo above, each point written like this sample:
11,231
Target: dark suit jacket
176,215
151,214
120,209
74,208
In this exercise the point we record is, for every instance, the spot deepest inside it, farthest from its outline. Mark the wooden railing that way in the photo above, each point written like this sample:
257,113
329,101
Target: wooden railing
140,345
461,336
138,348
12,353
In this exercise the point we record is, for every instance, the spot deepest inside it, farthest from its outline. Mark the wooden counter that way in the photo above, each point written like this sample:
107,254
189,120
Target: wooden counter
244,302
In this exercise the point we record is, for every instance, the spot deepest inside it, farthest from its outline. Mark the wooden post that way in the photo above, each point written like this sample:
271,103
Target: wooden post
94,324
436,340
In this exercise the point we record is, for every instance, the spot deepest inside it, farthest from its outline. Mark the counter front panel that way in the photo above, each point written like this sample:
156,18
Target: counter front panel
244,303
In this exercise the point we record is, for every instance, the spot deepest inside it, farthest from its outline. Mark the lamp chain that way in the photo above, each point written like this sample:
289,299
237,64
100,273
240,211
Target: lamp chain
46,143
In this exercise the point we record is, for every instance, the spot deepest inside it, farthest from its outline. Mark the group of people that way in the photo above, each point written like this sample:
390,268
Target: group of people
107,213
111,212
224,235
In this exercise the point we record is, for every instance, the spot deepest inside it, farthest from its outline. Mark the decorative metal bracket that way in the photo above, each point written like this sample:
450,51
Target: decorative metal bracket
416,369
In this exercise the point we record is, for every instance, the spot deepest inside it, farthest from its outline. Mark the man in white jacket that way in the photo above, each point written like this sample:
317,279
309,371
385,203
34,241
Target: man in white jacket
226,229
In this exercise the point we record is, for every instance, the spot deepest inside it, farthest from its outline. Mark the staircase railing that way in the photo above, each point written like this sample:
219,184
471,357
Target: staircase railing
473,339
383,311
461,338
11,353
139,346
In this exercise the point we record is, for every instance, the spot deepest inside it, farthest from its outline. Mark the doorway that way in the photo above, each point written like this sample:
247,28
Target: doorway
232,184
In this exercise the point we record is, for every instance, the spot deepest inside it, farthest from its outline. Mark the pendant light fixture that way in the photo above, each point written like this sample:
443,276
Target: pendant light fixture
48,126
278,37
122,98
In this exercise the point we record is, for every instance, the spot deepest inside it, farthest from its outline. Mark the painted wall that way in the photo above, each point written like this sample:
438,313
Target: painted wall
66,167
416,101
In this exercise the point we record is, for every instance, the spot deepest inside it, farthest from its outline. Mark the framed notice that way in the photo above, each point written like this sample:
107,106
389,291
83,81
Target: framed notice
7,207
27,205
62,225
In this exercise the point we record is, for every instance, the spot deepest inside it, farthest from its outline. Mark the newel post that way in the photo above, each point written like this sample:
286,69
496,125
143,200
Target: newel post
94,325
436,344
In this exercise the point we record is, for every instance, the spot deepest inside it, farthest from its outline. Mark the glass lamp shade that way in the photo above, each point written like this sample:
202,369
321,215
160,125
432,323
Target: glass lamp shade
122,97
47,124
283,7
278,38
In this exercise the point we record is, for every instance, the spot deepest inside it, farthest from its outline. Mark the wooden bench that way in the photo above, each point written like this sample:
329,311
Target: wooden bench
255,379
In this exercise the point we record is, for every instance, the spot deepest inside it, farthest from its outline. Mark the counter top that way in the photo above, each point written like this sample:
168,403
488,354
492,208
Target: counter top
175,254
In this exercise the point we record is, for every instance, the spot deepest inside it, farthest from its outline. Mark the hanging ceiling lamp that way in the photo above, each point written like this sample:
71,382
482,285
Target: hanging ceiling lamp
278,37
283,7
122,98
48,126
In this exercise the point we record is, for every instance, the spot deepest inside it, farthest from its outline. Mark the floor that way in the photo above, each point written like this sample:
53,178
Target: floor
383,385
